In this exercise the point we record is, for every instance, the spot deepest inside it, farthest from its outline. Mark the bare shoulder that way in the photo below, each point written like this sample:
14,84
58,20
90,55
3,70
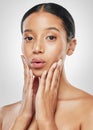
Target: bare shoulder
87,112
86,99
80,100
85,107
9,110
11,107
87,103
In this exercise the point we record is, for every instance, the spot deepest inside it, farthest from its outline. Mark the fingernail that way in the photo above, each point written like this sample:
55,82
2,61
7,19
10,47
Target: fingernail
23,59
60,64
54,65
30,71
33,76
45,72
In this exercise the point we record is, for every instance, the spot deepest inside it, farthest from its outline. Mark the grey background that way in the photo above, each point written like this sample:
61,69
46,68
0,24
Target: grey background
79,67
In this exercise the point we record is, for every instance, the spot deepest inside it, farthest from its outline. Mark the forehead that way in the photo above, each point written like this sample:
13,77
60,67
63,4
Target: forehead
41,20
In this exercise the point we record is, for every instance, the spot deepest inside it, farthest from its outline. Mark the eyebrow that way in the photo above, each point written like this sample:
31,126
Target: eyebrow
53,28
50,28
27,30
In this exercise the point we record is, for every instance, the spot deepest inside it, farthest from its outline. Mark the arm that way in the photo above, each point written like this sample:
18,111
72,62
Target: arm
26,112
48,126
21,123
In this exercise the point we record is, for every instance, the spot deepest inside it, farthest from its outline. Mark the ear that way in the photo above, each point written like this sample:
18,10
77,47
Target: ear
71,46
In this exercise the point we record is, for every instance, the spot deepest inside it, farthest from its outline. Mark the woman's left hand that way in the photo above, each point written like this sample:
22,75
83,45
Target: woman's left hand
46,97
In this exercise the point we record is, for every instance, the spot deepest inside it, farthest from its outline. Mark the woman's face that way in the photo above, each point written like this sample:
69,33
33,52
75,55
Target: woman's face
44,41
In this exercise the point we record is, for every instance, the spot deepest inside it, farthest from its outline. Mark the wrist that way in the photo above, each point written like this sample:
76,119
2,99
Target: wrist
22,122
48,125
25,116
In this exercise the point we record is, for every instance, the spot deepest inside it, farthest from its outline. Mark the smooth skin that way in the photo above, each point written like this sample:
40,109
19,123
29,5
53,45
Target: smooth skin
49,101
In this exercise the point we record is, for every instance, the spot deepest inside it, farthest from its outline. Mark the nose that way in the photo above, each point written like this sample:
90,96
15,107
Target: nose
38,47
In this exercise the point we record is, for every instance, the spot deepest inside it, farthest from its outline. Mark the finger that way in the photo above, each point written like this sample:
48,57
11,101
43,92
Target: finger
26,75
50,76
56,76
30,86
42,83
26,68
55,79
29,94
30,89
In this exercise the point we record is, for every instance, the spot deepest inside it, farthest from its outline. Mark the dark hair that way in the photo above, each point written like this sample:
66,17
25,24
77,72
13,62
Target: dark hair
57,10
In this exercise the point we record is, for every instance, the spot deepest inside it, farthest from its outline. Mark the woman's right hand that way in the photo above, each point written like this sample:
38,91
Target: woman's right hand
27,108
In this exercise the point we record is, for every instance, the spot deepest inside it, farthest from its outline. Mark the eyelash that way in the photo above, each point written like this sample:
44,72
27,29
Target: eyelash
51,38
29,38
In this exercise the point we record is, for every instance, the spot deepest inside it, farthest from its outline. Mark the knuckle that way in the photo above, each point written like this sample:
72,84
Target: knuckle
49,78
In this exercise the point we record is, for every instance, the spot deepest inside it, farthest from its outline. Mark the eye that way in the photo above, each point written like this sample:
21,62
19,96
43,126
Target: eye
51,38
28,38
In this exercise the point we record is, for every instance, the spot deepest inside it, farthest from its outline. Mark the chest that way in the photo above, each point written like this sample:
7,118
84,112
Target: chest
66,118
67,123
63,121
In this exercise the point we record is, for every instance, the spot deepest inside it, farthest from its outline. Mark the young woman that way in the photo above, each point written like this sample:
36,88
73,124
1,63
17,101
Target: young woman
49,101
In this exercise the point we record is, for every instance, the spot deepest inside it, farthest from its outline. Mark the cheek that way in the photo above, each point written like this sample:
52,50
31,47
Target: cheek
56,52
23,48
26,50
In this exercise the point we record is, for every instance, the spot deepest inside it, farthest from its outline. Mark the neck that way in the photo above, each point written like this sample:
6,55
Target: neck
63,85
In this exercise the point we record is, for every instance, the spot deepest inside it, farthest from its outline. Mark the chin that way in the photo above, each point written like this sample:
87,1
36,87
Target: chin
37,73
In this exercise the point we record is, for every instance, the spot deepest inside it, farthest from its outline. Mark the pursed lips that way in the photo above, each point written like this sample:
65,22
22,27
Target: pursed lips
37,63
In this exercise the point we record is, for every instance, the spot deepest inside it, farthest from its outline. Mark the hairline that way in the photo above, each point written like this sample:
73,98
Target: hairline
41,8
